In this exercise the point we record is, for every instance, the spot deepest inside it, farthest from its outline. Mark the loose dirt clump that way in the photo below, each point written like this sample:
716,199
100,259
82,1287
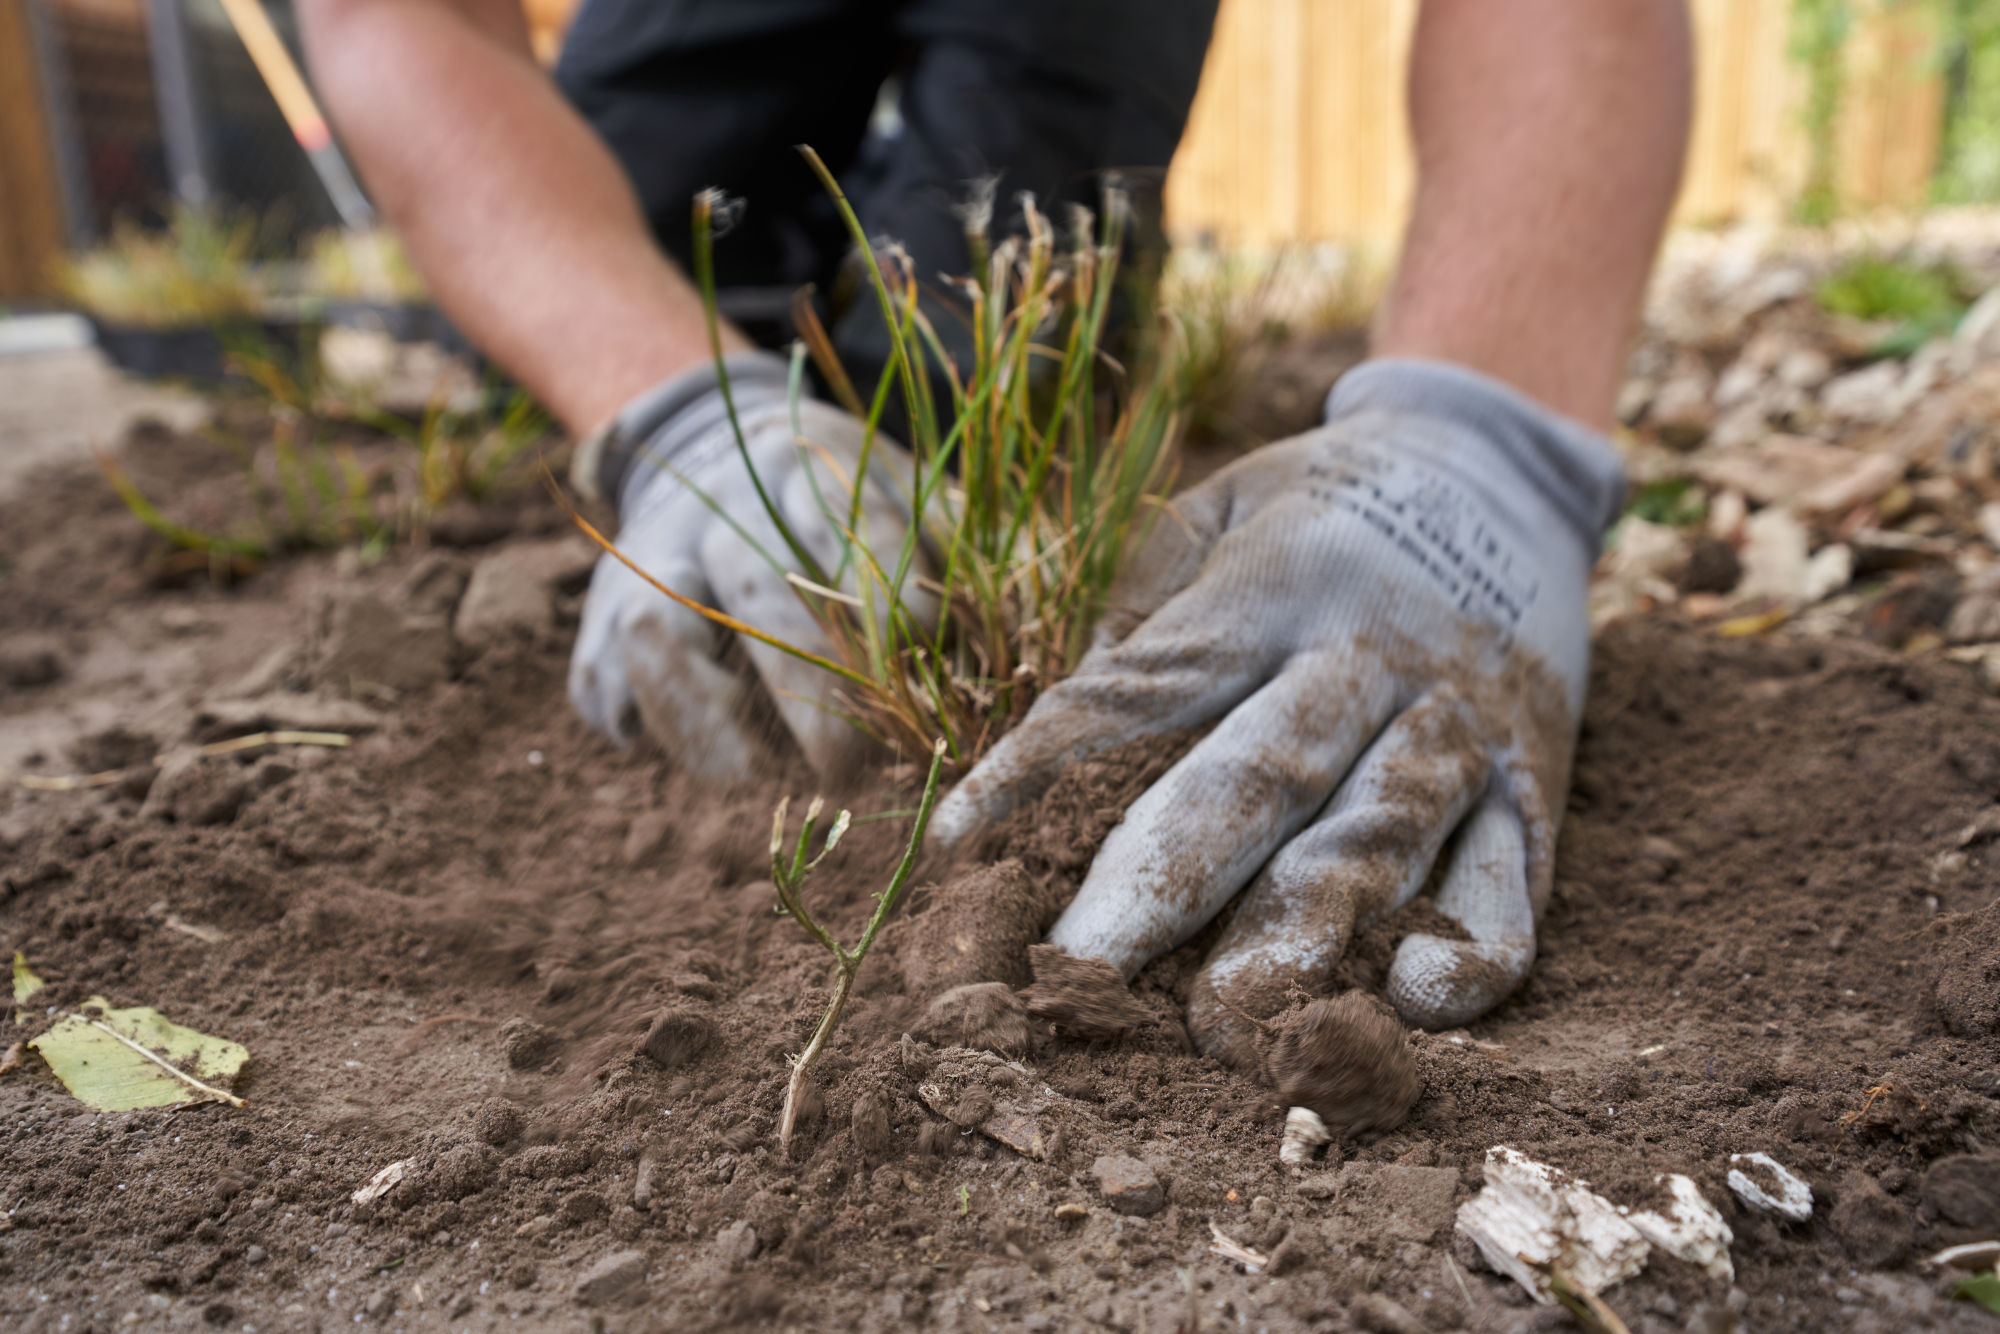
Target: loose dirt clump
1347,1059
1085,998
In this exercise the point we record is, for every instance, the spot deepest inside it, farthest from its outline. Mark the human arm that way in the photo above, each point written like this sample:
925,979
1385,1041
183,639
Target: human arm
515,213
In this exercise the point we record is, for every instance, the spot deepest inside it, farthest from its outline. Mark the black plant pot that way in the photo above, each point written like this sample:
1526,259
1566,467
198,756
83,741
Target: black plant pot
198,352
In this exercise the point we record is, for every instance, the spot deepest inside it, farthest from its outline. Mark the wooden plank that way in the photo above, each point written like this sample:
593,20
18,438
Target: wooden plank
31,230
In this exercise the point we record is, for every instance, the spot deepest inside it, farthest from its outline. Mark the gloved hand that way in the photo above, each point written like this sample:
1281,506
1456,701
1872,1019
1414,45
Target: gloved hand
1385,619
642,659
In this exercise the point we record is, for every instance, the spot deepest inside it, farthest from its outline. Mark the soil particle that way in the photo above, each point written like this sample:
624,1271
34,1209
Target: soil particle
194,789
1964,1193
1348,1059
30,660
512,593
459,1172
499,1123
1084,997
649,835
549,1161
527,1045
986,1015
1872,1227
1712,567
1965,971
678,1037
868,1123
371,646
1128,1185
1377,1314
976,927
434,584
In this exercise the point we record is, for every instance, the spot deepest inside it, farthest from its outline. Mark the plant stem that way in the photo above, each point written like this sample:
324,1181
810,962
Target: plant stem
847,963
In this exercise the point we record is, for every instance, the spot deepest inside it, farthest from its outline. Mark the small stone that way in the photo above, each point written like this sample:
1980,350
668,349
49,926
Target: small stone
650,834
527,1045
382,1305
678,1037
642,1183
616,1280
737,1243
254,1255
1128,1185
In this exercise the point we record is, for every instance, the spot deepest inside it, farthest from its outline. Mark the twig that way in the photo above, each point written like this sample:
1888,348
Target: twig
207,935
218,1094
1585,1305
1459,1279
107,777
1229,1248
847,963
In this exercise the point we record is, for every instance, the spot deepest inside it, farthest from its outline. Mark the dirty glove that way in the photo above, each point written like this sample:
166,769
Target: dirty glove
670,460
1385,620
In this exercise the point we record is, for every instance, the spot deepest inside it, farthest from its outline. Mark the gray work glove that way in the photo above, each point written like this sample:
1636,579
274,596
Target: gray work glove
642,659
1385,619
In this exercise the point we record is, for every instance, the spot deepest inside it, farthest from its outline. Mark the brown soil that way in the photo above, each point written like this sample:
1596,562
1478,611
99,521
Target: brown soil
548,976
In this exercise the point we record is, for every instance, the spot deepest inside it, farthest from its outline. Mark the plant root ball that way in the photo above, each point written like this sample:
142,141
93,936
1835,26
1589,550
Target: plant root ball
985,1015
1086,997
1347,1059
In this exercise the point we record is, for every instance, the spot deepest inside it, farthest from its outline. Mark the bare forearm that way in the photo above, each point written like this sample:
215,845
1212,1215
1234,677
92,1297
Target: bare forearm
518,217
1549,138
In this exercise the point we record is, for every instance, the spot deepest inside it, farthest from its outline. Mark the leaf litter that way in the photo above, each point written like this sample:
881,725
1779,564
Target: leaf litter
121,1060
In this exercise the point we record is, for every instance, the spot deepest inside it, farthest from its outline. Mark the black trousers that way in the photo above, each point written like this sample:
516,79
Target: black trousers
1046,95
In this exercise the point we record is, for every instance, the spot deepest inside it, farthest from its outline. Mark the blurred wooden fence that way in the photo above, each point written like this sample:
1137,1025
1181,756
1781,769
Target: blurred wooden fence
31,222
1299,134
1299,131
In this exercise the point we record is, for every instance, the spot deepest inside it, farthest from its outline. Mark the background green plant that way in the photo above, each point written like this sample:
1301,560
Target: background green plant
307,485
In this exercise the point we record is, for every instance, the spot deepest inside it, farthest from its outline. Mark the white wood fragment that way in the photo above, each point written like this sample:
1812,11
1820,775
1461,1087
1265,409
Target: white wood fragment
1760,1182
1304,1132
1229,1248
383,1182
1532,1218
1972,1255
1689,1228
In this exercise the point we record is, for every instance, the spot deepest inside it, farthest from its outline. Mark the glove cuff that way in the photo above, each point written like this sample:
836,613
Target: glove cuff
660,423
1574,467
